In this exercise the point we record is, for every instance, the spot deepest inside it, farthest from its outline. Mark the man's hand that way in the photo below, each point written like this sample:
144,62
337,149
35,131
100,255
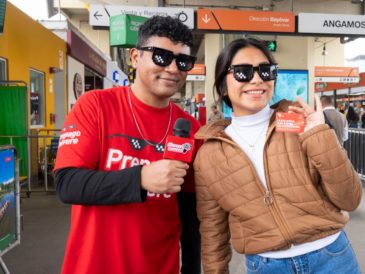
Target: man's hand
312,117
164,176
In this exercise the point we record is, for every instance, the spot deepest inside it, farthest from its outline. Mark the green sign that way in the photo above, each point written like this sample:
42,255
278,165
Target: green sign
124,30
2,15
271,45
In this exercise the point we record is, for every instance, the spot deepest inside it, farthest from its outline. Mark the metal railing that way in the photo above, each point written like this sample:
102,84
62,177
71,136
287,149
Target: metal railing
45,156
355,147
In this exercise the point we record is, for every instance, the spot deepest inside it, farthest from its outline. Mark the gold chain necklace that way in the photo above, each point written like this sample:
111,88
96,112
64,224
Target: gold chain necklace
250,145
139,129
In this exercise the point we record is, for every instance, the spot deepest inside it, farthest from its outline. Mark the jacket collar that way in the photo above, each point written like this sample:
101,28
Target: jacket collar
215,130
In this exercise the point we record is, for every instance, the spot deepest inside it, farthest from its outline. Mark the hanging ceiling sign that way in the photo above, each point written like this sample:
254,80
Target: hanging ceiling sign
198,69
336,74
243,20
197,73
331,23
99,15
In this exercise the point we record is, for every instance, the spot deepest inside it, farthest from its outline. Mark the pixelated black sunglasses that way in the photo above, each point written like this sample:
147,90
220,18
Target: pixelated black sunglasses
245,72
163,58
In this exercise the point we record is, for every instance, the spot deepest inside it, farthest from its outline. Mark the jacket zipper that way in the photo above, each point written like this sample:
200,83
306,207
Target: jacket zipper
270,201
268,197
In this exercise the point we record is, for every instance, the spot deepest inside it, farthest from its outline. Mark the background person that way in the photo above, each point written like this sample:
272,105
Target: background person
336,119
215,114
125,213
280,198
352,117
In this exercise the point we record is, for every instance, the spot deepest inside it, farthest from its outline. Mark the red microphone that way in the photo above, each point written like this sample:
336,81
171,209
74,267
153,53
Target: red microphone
178,146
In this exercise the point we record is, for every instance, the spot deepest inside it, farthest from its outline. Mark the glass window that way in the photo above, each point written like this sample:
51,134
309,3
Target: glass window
37,99
3,74
92,80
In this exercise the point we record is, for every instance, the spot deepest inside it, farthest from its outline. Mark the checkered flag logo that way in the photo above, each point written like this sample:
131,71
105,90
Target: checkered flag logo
136,144
159,147
140,144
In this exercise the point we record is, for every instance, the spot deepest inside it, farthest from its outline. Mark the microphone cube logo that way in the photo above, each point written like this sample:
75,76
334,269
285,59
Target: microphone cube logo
179,148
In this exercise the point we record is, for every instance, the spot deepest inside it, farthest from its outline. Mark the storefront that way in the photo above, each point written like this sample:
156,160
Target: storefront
33,75
86,67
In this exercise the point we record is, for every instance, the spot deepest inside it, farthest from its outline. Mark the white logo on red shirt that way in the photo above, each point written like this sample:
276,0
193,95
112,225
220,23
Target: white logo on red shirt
116,156
69,138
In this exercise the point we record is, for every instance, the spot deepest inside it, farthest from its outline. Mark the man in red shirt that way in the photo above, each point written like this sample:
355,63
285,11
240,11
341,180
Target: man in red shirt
129,205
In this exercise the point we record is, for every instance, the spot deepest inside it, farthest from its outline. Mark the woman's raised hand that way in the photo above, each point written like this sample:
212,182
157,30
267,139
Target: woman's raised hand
312,117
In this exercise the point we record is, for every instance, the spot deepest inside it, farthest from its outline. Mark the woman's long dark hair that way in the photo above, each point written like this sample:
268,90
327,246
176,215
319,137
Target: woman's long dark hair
225,58
352,115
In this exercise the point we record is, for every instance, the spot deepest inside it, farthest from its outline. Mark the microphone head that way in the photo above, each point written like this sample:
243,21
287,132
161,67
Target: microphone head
182,128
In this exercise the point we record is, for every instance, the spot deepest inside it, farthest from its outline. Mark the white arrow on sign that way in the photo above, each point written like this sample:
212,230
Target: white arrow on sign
206,19
99,14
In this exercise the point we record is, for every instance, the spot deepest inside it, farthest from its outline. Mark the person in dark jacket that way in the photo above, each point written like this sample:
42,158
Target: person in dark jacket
352,117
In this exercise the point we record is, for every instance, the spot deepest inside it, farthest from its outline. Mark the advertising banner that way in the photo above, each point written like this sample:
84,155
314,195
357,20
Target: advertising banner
8,229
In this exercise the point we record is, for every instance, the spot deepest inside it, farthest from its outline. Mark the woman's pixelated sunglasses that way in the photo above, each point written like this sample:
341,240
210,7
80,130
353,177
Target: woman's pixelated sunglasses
163,58
245,72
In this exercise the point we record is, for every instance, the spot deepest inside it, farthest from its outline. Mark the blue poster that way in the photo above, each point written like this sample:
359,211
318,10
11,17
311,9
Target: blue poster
7,198
289,84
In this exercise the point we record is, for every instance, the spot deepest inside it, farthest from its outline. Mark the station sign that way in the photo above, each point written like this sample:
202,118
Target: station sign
331,23
336,74
99,15
198,69
197,73
243,20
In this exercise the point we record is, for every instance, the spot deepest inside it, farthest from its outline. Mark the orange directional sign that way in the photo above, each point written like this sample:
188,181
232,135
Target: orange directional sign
336,71
198,69
336,74
243,20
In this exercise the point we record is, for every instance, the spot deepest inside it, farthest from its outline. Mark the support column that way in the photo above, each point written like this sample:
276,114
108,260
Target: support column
310,65
213,46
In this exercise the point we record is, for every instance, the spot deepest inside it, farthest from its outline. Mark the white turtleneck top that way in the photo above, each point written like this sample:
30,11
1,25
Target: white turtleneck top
249,132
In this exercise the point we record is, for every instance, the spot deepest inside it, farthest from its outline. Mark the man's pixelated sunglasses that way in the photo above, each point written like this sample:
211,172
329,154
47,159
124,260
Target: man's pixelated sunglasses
245,72
163,58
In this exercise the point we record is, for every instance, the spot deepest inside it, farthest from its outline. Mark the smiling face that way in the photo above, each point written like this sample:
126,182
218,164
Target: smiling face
249,97
154,85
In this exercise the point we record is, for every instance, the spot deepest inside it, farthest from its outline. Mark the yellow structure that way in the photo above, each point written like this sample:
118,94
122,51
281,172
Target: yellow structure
26,45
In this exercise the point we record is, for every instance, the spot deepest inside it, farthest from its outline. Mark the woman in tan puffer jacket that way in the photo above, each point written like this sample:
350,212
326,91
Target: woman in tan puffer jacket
281,198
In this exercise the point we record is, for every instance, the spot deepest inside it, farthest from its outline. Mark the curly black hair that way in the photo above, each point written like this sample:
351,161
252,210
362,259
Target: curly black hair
168,27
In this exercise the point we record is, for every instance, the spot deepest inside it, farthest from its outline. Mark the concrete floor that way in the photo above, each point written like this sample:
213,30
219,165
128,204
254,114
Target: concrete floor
46,224
45,229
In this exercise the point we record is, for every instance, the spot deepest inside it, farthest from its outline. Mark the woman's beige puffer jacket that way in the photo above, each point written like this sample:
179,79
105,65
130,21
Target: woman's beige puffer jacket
311,185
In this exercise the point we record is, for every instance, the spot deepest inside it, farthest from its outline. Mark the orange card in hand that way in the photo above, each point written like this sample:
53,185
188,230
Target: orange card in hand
289,122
